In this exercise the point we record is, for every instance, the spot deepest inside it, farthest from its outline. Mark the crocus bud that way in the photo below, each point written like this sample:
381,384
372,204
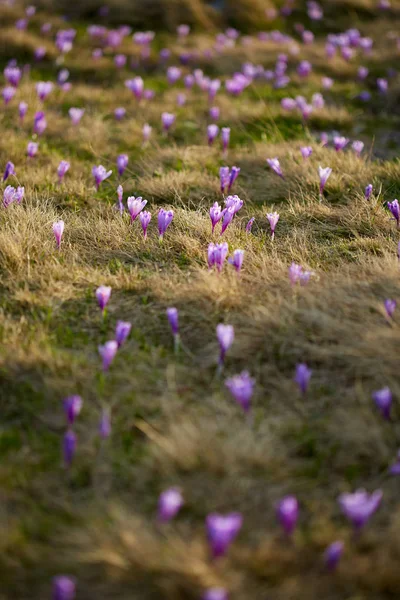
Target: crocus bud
225,135
273,219
333,554
395,210
136,85
172,315
122,163
107,353
164,220
119,113
302,377
225,337
324,174
212,132
120,195
32,149
250,225
237,259
72,408
234,174
368,191
69,447
287,513
63,588
169,504
122,330
22,110
360,506
275,166
58,229
221,531
390,307
63,167
383,400
144,218
9,170
339,142
215,215
241,387
217,254
105,425
100,173
306,151
214,113
103,294
146,131
167,120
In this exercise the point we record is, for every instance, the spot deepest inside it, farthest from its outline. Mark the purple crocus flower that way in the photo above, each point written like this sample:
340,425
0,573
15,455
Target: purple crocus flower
100,173
395,210
382,85
358,146
217,254
43,89
169,504
227,215
275,166
304,68
11,195
63,588
8,94
383,400
39,122
119,113
215,594
13,75
58,229
234,202
120,60
136,85
22,110
63,167
327,83
368,191
146,132
120,195
32,149
237,259
234,174
333,554
144,218
72,408
324,174
225,135
250,225
40,53
173,74
122,330
69,447
107,353
212,132
164,219
183,30
225,337
360,506
167,120
224,176
287,513
273,219
105,424
122,163
306,151
76,115
221,531
395,468
390,307
173,319
241,387
339,142
362,72
215,215
214,113
21,24
103,294
302,377
9,170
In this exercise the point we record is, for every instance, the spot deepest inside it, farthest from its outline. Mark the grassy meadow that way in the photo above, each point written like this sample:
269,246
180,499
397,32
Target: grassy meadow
174,423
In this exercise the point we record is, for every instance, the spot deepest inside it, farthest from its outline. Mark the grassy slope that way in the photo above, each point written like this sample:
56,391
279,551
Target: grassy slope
173,422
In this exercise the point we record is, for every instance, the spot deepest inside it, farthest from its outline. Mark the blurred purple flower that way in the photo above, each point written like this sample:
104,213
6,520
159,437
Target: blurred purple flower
103,294
169,504
304,68
390,307
122,330
333,554
339,142
273,219
167,120
63,167
9,170
306,151
395,210
122,163
72,408
237,259
119,113
215,594
8,94
212,132
241,387
368,191
287,513
360,506
69,447
11,195
164,220
58,229
302,377
225,337
221,531
107,353
146,131
76,115
22,110
225,135
63,588
144,218
395,468
383,400
136,85
275,166
214,113
324,174
13,75
43,89
100,174
358,147
105,424
217,254
250,225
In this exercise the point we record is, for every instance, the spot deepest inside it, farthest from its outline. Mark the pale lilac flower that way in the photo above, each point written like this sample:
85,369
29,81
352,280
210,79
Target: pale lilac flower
62,76
327,83
395,210
72,408
360,506
40,53
241,387
136,85
97,53
306,151
146,131
395,468
224,176
339,142
63,167
11,195
324,174
13,75
217,254
122,330
39,122
237,259
22,110
9,170
227,216
167,120
103,294
295,273
120,60
302,377
221,531
368,191
100,173
215,215
382,85
225,135
212,132
383,399
173,319
250,225
144,218
169,504
107,353
32,149
225,336
234,174
76,115
324,138
304,68
164,219
69,447
43,89
308,37
318,101
173,74
275,166
119,113
183,30
105,424
358,146
390,307
8,94
273,219
30,11
58,229
287,513
215,594
234,202
21,24
214,113
362,72
333,554
122,163
63,588
288,104
181,99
